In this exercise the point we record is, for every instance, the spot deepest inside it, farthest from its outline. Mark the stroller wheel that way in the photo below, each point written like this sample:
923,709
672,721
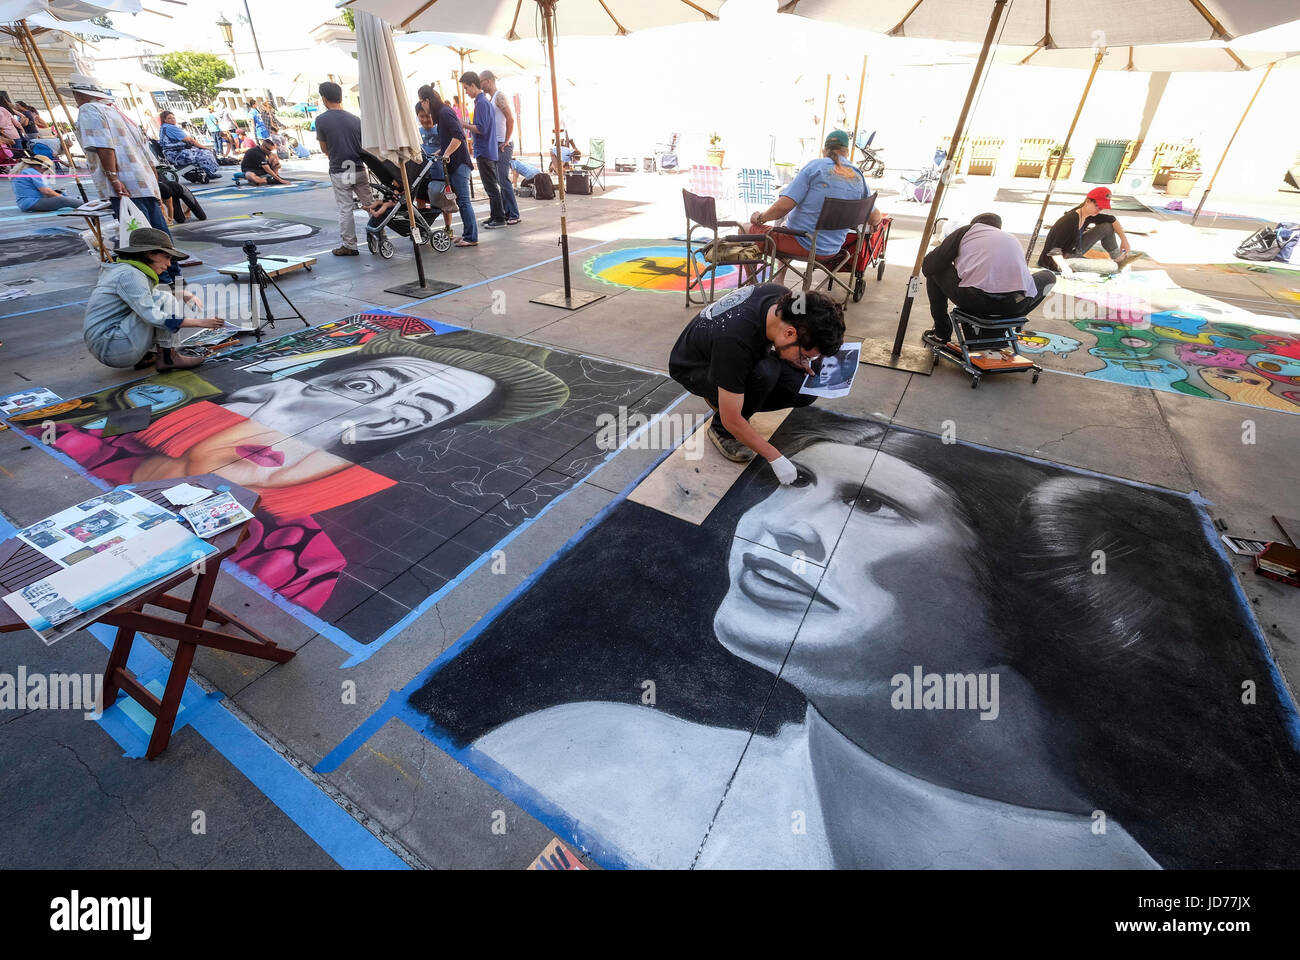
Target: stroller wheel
880,271
440,240
371,243
386,249
859,288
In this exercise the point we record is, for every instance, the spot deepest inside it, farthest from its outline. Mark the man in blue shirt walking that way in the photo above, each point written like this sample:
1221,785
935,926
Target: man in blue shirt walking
485,146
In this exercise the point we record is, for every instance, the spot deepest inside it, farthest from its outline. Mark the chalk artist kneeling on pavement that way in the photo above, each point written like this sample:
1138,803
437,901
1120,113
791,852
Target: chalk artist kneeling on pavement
128,317
750,352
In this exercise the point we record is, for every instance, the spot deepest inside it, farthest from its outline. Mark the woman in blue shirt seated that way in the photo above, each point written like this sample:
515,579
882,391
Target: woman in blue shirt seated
181,150
31,190
830,175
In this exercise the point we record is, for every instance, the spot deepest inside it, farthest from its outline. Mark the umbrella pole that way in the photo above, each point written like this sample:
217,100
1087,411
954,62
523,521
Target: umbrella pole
28,39
914,282
410,212
1232,138
826,105
568,299
1060,161
541,143
857,116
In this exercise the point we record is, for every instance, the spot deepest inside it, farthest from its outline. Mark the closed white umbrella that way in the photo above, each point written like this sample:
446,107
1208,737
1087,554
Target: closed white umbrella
1094,24
536,20
388,127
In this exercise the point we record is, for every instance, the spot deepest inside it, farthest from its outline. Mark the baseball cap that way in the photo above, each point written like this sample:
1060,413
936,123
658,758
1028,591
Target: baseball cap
1101,197
838,138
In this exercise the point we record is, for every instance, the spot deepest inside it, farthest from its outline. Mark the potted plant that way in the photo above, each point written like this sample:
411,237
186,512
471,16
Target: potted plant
1055,158
715,153
1186,171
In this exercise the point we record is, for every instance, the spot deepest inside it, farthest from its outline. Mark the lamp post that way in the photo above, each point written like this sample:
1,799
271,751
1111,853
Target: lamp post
228,35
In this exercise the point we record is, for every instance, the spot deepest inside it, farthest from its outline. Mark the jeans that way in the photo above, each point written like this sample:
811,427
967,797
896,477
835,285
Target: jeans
151,207
347,184
460,183
46,204
487,173
1103,233
772,385
945,286
505,151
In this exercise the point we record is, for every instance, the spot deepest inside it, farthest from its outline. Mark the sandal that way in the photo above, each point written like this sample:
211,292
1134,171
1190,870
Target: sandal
172,359
462,242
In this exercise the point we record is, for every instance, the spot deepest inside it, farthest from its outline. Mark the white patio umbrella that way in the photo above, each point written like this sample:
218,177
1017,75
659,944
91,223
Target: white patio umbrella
1041,23
388,129
135,78
536,20
85,28
269,80
13,21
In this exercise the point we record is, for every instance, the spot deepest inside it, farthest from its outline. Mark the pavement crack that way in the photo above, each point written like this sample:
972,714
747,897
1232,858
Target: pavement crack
1086,426
121,802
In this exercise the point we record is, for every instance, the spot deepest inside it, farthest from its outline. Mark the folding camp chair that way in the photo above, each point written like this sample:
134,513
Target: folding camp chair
756,186
835,214
593,167
702,214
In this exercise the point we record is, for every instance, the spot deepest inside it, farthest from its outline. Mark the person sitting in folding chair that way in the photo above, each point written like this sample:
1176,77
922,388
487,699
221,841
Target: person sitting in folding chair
980,268
831,175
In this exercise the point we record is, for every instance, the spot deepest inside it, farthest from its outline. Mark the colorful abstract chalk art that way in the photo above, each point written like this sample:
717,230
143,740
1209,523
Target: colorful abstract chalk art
390,452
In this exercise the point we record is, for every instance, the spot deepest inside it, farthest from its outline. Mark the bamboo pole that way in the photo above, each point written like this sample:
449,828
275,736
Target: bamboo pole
24,38
1060,162
914,283
857,116
1232,138
826,105
548,18
410,211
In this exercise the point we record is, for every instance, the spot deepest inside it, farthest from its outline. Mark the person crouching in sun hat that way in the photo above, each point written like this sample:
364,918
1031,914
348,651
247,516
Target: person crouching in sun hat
128,318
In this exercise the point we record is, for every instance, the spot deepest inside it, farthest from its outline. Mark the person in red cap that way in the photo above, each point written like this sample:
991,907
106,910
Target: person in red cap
1081,229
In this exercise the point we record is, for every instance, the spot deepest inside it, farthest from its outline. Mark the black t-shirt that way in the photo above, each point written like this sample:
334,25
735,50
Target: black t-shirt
340,132
1063,238
449,129
727,339
254,160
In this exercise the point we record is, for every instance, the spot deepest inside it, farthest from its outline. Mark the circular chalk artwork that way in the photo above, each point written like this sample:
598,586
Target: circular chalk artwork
661,267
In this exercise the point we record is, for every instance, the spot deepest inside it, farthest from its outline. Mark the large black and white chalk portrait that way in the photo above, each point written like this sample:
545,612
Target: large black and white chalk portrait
732,694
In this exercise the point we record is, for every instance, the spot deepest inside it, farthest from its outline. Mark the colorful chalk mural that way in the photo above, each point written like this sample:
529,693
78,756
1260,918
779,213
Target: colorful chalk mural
906,658
390,452
1147,332
657,267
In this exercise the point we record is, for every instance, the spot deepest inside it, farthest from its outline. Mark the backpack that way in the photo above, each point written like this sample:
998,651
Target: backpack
1270,243
543,188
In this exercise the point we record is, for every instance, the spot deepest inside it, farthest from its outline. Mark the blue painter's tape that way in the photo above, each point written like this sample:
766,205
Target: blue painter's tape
1287,712
329,825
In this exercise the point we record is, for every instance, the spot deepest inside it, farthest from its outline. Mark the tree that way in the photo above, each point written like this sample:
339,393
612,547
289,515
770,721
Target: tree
198,73
350,19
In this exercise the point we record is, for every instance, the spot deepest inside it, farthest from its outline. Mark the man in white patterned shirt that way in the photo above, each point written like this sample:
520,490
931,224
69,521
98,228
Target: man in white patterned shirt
120,160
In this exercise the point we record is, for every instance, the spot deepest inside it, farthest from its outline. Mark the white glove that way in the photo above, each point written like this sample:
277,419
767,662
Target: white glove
785,470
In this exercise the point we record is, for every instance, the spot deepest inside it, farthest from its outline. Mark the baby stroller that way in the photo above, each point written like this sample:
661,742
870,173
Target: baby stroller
386,183
921,187
871,164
